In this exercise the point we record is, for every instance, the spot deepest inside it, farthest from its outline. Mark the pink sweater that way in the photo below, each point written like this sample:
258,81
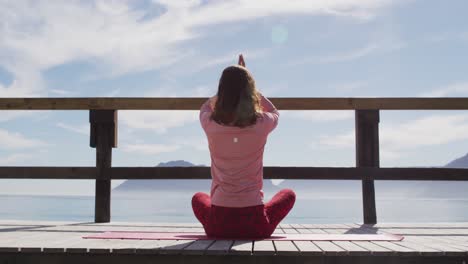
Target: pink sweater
237,157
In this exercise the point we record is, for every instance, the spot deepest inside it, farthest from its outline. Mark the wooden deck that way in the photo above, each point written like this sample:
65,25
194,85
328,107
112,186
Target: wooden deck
57,242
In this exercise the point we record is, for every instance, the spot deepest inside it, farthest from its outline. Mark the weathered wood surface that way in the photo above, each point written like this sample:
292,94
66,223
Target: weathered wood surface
194,103
103,138
430,240
297,173
367,155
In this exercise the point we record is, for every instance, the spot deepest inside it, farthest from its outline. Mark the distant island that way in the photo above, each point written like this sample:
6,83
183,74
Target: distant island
320,187
459,163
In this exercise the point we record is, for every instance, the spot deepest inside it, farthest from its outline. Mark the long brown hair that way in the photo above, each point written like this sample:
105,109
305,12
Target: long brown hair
238,101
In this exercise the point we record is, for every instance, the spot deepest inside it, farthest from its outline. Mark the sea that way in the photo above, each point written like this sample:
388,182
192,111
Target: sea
175,207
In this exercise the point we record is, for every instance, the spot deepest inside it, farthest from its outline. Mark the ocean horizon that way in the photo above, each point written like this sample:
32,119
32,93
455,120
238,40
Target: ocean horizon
175,207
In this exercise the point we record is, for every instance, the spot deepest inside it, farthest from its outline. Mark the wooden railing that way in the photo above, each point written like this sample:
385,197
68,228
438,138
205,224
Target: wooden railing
103,137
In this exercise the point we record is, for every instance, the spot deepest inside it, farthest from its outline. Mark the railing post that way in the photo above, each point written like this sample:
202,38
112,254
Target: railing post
103,137
367,155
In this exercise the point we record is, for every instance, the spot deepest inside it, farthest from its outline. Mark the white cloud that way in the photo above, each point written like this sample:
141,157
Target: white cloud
158,121
320,115
200,144
225,60
7,115
380,46
397,138
81,129
238,10
351,55
336,141
349,86
119,37
427,131
150,149
337,57
14,159
11,140
455,89
27,83
61,92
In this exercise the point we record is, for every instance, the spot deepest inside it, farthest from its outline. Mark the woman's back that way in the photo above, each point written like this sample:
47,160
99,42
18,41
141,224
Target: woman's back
237,157
237,122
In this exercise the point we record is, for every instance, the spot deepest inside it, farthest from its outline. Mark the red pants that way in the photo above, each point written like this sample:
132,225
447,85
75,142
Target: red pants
246,222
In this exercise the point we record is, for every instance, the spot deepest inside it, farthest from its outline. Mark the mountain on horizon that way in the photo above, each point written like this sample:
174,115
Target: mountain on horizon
177,163
459,163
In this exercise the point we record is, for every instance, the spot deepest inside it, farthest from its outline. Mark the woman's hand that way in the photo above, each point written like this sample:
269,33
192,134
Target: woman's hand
241,60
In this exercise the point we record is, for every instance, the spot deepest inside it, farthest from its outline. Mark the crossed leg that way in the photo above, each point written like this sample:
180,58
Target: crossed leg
279,206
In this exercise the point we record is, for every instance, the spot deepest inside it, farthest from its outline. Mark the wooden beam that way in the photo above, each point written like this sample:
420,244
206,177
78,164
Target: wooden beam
69,173
292,173
194,103
367,155
103,128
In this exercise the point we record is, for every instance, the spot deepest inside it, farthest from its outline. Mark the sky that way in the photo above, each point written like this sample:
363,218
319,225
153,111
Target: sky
178,48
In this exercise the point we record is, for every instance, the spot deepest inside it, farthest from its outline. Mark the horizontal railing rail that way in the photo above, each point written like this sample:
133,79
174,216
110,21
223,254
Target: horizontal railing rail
194,103
198,172
103,137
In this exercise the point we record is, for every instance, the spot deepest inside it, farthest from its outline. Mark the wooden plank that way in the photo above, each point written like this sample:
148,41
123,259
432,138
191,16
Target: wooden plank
194,103
60,237
307,248
452,243
316,231
220,247
286,248
162,246
290,231
352,249
421,225
304,173
304,231
14,240
198,247
296,226
93,245
174,247
130,246
444,247
352,225
398,249
241,247
334,226
48,173
421,249
278,231
336,230
48,242
263,247
330,248
418,231
374,248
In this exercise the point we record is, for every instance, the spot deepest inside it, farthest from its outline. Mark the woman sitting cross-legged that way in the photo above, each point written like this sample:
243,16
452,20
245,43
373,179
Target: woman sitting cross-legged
237,122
